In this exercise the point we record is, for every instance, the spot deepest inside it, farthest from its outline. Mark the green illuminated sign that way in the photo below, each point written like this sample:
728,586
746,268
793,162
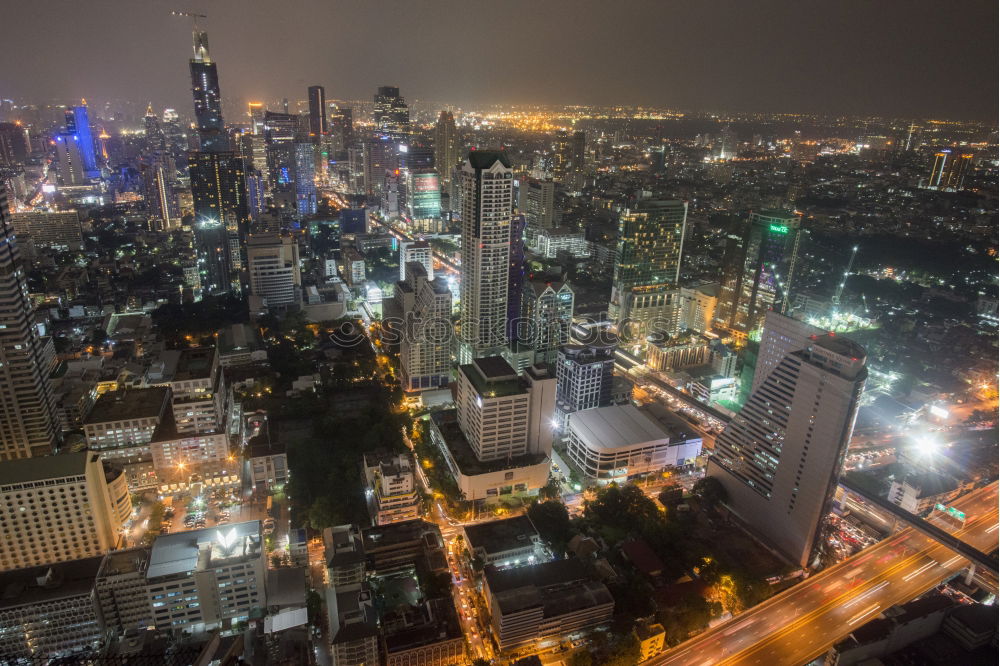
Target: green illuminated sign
779,228
951,511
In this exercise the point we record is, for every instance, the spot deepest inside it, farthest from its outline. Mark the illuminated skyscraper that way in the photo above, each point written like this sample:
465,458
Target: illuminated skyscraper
392,116
648,261
780,456
537,200
758,269
221,216
27,409
487,187
207,97
423,195
69,160
949,170
255,111
305,179
446,148
78,125
317,113
342,128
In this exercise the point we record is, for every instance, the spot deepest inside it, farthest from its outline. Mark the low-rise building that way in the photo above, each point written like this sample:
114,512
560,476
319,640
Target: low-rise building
621,441
239,345
918,493
391,488
527,604
505,543
651,640
207,578
47,612
121,423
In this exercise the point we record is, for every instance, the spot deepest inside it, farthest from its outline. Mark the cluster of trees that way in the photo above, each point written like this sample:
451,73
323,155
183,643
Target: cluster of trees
325,469
200,319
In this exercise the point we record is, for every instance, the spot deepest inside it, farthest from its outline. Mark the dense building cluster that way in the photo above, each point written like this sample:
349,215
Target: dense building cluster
390,381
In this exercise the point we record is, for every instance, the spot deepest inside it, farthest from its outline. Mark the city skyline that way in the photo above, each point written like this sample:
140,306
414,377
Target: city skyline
849,58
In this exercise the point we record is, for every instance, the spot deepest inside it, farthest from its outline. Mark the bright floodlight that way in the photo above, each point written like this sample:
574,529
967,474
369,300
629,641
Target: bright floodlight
926,445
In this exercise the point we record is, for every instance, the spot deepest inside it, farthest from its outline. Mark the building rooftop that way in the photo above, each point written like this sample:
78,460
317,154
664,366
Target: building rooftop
484,159
238,337
929,484
180,552
501,535
129,404
446,422
670,422
558,587
46,467
194,363
123,562
37,585
492,376
615,427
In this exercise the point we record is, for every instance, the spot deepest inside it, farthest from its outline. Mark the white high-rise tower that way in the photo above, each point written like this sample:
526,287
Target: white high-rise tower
27,408
487,182
780,456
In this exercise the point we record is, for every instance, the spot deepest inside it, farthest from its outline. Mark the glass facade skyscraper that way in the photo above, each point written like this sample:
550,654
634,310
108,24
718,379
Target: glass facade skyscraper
207,97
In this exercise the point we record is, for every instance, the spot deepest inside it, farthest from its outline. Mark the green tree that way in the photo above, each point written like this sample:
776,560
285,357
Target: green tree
710,492
314,607
551,489
625,507
551,519
671,494
580,658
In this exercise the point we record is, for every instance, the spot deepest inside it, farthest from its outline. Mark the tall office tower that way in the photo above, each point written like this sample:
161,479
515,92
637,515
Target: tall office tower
207,98
221,216
155,138
446,146
342,127
419,251
255,112
78,125
758,270
504,415
392,116
537,200
780,456
584,378
317,113
487,203
648,262
14,144
69,160
425,335
157,173
517,273
547,314
28,420
68,506
305,179
273,262
380,157
423,194
949,170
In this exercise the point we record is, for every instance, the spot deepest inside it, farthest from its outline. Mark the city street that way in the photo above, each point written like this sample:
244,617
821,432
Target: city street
804,621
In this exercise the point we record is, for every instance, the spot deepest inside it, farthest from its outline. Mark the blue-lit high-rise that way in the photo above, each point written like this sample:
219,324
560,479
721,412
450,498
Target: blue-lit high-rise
305,179
207,97
78,125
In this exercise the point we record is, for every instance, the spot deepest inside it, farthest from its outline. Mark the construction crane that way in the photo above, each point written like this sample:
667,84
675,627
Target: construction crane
840,287
194,17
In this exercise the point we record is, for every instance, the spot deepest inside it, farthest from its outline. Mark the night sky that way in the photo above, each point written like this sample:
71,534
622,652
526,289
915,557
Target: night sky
908,58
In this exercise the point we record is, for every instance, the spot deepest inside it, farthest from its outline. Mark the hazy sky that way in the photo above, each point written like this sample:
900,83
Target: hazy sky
911,58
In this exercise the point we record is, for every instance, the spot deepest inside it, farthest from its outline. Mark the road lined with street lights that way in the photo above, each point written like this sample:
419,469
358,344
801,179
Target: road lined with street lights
801,623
